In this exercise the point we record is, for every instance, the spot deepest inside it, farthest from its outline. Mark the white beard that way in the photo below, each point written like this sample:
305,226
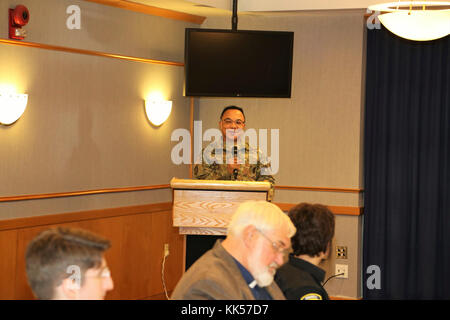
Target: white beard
264,278
262,274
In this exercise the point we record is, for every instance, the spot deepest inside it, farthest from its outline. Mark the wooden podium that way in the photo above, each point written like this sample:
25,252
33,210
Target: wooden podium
205,207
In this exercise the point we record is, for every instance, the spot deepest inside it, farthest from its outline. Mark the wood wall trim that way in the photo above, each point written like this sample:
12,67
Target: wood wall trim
339,210
88,52
81,193
59,218
151,187
328,189
151,10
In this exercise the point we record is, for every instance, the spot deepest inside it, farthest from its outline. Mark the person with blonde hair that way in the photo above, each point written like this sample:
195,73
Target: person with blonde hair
244,264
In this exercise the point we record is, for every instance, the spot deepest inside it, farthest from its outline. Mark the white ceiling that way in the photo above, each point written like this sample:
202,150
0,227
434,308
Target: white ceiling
203,8
224,7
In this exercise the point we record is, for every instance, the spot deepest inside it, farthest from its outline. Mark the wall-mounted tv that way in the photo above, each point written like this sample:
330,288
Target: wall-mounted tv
243,63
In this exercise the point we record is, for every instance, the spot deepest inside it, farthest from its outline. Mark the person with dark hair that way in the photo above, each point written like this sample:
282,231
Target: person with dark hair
68,264
301,278
225,166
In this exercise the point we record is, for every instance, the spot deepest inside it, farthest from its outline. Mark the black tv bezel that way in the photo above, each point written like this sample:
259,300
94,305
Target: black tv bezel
239,95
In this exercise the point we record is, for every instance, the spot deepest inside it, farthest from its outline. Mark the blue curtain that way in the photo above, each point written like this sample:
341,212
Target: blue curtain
407,168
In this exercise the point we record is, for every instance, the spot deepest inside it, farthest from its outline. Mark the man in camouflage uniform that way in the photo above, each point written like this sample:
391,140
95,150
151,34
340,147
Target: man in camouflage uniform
240,161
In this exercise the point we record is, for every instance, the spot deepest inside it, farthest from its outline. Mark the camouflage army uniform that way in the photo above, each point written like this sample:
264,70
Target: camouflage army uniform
252,169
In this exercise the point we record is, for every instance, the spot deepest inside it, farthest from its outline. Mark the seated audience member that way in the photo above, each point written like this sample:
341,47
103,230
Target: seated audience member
68,264
301,278
243,265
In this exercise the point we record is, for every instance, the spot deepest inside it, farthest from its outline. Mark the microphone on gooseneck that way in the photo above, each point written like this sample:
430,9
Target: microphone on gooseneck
235,154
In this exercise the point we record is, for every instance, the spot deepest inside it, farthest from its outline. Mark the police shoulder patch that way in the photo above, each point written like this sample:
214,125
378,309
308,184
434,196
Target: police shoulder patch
311,296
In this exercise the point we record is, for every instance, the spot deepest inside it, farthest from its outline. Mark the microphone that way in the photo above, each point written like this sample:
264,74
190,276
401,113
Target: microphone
235,154
235,171
235,151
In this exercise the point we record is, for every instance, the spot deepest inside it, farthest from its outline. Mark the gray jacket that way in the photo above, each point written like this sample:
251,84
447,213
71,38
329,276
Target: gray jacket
215,276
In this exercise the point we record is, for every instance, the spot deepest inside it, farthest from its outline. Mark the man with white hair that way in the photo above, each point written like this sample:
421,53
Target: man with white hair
242,267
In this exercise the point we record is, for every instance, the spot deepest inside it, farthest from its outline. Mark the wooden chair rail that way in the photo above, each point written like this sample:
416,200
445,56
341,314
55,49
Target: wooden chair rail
81,193
88,52
151,10
328,189
150,187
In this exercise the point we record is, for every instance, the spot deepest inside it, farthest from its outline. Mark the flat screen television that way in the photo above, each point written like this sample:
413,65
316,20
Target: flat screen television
243,63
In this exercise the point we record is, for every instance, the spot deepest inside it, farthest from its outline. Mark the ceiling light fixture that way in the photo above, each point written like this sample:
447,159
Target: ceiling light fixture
415,20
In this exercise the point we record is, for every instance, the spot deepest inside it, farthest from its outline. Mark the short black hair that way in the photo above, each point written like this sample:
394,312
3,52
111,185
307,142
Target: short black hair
231,108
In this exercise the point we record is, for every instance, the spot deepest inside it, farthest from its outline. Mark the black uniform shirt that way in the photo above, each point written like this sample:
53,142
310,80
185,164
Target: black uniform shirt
301,280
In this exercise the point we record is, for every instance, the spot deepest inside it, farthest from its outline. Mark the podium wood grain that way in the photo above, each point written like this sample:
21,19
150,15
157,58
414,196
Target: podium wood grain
209,209
204,207
203,231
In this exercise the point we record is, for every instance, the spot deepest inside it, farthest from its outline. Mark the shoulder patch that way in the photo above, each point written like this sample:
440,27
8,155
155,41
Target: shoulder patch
312,296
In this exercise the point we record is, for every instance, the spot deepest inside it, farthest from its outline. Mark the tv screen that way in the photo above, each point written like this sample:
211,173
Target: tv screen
244,63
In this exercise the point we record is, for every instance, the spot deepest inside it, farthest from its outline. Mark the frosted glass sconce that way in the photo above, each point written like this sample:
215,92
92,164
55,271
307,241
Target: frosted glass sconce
157,110
12,106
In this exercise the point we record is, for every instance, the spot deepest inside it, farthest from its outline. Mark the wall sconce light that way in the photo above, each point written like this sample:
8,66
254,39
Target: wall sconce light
157,110
12,106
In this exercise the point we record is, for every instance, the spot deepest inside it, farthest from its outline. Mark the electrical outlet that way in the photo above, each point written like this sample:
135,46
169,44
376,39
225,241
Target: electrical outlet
341,252
166,249
342,268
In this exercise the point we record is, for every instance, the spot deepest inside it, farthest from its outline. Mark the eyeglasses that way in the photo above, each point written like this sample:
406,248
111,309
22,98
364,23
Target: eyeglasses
105,273
276,245
102,274
228,122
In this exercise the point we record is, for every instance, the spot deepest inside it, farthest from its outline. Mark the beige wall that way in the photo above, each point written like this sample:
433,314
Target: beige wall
320,125
85,126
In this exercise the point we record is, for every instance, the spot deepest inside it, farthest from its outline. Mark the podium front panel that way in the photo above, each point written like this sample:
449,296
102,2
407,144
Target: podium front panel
208,212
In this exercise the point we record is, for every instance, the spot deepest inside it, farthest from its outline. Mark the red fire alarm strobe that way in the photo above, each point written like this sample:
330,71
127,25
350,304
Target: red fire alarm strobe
18,17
